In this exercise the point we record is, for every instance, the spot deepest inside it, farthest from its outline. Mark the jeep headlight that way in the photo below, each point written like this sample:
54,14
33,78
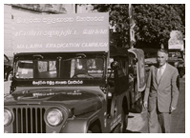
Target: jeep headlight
7,117
54,117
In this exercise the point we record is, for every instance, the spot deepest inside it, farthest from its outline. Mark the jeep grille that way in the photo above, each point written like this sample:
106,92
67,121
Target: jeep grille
29,120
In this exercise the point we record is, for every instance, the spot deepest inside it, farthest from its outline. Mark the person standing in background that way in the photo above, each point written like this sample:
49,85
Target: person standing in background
161,94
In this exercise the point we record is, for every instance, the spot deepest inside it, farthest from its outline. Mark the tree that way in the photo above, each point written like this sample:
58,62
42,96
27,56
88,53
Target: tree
118,16
154,22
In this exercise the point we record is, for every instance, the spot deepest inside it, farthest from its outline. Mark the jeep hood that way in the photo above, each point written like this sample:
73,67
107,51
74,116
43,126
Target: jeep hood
75,100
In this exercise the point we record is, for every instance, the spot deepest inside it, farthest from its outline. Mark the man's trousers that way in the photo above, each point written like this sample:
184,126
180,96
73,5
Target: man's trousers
159,122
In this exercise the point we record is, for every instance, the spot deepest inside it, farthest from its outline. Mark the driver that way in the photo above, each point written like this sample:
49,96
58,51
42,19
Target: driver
82,66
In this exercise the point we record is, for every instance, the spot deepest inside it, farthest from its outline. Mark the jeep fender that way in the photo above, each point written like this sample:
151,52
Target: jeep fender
77,125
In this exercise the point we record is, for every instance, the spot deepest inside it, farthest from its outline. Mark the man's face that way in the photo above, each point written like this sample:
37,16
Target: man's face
161,58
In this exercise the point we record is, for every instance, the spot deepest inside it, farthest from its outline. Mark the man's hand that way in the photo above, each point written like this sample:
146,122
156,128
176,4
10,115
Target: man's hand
172,109
145,104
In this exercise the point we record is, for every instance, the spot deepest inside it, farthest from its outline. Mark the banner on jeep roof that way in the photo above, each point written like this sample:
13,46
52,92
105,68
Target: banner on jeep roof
63,32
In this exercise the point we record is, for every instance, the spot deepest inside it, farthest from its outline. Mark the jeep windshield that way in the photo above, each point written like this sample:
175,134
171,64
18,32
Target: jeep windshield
55,66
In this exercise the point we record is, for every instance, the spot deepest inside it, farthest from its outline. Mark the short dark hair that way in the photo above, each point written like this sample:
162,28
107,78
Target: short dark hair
163,50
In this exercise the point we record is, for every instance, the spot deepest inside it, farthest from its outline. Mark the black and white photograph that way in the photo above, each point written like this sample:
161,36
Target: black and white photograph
95,68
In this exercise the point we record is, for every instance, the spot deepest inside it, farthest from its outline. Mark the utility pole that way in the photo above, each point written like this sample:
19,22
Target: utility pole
131,28
74,8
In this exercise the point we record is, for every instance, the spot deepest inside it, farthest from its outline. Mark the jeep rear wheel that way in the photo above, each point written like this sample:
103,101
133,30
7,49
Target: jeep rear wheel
138,105
94,128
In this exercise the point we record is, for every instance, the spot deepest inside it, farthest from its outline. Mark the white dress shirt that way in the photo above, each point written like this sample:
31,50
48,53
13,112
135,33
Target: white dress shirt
160,71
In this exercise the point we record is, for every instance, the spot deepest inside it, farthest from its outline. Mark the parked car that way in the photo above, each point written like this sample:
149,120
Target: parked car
176,59
8,68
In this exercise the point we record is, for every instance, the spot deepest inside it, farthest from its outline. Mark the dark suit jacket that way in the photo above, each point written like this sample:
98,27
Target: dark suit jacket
163,93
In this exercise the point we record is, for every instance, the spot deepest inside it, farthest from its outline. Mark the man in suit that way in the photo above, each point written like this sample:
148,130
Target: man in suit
161,94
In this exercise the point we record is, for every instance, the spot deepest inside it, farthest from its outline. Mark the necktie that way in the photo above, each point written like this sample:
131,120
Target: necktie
159,74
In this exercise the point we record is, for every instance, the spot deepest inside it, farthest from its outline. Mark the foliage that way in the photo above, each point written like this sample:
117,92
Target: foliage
154,22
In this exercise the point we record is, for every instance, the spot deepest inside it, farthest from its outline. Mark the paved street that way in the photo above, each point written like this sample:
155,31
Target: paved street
138,122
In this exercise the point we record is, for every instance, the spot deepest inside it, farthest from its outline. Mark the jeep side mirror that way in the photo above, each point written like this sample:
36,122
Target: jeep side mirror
114,65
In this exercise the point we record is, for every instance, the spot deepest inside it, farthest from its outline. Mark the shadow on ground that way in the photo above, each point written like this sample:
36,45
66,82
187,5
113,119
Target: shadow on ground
129,131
